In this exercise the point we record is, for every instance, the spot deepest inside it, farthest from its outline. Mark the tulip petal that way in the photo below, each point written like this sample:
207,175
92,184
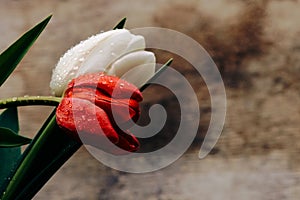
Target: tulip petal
95,54
111,49
127,109
82,116
128,142
136,67
113,86
70,62
88,111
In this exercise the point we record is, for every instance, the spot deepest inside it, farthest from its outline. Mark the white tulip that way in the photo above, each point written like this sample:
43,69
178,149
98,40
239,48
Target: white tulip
116,52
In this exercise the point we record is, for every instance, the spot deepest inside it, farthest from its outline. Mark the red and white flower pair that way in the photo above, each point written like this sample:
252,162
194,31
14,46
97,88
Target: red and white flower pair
88,77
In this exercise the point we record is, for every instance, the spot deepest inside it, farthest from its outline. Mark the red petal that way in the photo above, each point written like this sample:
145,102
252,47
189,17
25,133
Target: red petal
110,85
128,142
127,109
83,117
87,110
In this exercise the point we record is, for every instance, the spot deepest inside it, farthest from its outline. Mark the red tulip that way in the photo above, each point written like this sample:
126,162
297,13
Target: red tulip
86,109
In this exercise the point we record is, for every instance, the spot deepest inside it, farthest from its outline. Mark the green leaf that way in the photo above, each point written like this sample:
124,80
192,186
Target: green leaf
9,156
48,151
9,138
157,74
121,24
9,119
11,57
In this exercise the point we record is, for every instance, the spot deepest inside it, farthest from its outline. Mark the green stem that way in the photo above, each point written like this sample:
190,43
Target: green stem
29,101
49,150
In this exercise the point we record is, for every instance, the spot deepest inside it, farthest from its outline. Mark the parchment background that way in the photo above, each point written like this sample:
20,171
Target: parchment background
257,48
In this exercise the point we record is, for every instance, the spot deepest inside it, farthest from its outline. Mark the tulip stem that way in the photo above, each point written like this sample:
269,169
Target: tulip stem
29,101
48,151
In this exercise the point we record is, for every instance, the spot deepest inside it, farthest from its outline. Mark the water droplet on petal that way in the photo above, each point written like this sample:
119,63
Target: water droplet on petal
75,67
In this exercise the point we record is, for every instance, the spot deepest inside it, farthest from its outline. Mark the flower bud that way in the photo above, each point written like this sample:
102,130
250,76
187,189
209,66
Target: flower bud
116,52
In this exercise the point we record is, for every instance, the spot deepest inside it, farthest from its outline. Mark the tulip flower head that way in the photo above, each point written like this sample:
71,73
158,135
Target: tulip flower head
116,52
86,109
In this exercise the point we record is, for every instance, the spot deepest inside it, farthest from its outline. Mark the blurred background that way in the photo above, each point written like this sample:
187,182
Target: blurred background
256,46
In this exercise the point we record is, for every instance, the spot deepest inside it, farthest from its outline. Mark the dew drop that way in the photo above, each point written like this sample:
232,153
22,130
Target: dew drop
113,54
104,82
110,80
81,59
75,67
66,112
14,99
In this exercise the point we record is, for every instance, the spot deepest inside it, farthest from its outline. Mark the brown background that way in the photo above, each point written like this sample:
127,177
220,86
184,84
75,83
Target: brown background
255,44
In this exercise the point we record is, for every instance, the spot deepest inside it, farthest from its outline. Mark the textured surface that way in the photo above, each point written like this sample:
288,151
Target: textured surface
255,44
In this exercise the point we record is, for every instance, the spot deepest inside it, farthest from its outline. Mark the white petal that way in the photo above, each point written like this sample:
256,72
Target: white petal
136,67
68,65
112,48
93,55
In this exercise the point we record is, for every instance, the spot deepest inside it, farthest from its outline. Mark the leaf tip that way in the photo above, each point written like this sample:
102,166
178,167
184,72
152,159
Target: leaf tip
121,24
